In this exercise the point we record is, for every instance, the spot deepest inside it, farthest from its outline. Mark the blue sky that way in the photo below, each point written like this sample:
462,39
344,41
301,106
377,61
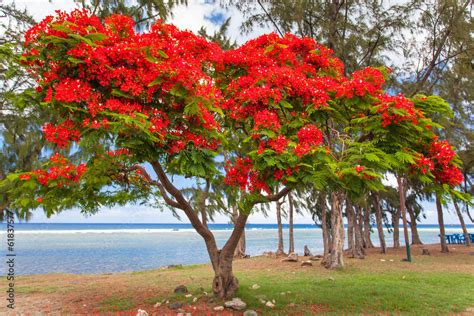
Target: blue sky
198,13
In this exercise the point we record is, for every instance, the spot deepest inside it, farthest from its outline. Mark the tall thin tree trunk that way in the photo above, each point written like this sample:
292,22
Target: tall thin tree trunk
359,225
324,224
290,224
350,228
280,251
442,233
401,194
463,225
378,219
357,247
396,229
367,228
415,237
335,259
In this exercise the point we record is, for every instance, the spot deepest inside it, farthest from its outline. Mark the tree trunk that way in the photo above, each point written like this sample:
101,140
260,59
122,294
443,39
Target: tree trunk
359,234
367,228
415,237
350,228
378,219
290,225
280,251
239,251
335,259
357,245
225,284
324,225
463,225
396,229
401,194
442,233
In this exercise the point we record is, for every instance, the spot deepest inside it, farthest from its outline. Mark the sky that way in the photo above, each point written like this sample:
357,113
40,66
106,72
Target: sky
196,14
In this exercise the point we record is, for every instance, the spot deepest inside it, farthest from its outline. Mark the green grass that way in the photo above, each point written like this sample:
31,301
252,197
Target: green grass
116,303
359,292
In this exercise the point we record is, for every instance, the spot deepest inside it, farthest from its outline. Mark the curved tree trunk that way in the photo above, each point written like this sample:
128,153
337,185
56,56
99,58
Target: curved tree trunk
324,225
280,251
357,250
239,251
290,225
463,224
378,219
396,229
335,259
442,233
367,228
415,237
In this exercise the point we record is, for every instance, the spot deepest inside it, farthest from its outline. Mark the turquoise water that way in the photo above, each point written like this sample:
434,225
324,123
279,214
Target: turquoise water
105,248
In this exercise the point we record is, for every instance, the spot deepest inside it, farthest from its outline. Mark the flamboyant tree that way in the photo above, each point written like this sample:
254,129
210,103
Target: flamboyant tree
144,107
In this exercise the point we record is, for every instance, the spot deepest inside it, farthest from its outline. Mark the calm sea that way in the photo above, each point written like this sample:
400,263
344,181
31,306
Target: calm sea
104,248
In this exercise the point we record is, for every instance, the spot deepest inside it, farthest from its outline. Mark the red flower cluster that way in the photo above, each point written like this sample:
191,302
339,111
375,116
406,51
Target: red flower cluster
309,136
241,174
424,164
442,155
266,119
62,172
390,106
61,134
359,168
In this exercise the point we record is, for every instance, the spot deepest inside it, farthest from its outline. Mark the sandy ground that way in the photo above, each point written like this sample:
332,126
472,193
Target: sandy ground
67,294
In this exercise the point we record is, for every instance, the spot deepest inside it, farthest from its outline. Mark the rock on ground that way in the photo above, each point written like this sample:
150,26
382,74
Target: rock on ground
181,289
141,312
306,264
250,312
219,308
292,257
236,304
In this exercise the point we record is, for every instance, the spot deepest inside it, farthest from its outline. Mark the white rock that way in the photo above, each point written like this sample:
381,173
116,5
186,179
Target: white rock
219,308
236,304
141,312
157,304
188,295
262,301
270,304
383,260
255,287
195,300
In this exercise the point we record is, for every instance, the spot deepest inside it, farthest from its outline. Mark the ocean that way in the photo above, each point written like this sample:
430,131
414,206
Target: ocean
107,248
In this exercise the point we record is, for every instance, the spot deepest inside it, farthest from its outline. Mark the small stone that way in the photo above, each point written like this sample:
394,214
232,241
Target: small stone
176,305
269,304
307,264
167,302
273,301
331,279
219,308
307,252
382,260
181,289
292,257
255,287
195,300
282,293
204,293
157,305
141,312
236,304
403,277
425,252
188,295
262,300
391,260
250,312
